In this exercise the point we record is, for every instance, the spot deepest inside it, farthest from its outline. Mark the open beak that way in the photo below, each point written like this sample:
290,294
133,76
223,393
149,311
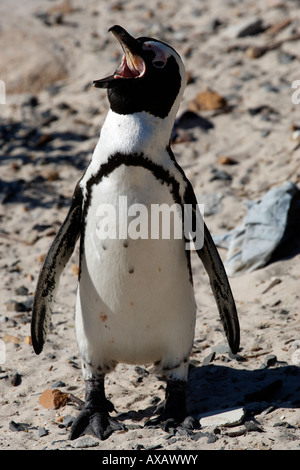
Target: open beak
132,65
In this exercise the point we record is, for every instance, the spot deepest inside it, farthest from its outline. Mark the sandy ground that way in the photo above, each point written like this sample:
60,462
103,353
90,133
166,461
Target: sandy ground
51,51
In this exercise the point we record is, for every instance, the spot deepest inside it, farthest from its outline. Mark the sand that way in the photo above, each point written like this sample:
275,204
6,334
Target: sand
50,54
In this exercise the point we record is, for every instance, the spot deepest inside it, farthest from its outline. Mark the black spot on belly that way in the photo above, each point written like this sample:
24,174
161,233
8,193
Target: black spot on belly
125,243
131,270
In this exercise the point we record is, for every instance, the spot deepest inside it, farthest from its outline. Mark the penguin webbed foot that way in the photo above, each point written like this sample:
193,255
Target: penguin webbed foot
172,412
94,418
166,422
90,421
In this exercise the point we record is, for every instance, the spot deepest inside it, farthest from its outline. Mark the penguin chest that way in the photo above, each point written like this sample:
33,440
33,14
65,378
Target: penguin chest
135,293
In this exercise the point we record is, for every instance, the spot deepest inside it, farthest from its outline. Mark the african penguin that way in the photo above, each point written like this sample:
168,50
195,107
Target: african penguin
135,300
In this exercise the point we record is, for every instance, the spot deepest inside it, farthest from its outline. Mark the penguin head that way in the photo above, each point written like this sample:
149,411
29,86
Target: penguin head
150,78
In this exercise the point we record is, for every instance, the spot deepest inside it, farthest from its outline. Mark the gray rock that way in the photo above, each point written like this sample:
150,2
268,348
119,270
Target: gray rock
231,417
68,420
221,348
15,378
58,384
15,306
285,58
22,290
208,359
84,442
43,432
16,427
211,438
267,227
271,360
248,27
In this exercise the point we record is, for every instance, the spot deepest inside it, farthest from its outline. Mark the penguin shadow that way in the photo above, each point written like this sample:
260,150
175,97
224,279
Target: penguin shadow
37,190
216,388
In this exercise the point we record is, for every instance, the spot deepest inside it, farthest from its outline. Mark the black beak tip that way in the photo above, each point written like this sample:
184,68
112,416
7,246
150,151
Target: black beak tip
103,83
116,29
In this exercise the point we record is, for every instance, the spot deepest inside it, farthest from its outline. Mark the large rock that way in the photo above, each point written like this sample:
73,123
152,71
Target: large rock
30,67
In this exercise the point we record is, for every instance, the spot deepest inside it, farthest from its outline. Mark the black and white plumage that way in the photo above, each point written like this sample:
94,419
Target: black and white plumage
135,300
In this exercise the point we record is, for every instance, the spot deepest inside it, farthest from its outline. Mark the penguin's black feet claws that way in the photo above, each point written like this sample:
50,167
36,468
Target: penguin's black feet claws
99,424
172,411
191,423
166,422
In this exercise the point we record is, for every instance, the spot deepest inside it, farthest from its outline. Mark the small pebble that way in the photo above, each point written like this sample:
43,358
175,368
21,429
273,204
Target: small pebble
84,442
14,306
236,432
22,290
139,447
285,58
271,360
141,371
16,427
57,384
68,420
251,426
15,379
208,359
212,438
220,175
283,424
247,27
43,432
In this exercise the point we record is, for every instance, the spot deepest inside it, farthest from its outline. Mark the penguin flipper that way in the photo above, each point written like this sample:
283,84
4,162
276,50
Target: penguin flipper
55,261
220,286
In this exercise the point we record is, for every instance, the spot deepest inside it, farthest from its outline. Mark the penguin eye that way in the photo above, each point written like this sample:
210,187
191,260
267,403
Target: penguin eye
160,54
159,64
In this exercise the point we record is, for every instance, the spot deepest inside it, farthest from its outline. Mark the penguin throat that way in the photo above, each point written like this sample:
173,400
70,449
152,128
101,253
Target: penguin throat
132,66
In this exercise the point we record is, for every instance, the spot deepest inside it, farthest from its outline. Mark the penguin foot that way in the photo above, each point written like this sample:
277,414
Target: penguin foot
172,412
94,418
99,424
166,421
